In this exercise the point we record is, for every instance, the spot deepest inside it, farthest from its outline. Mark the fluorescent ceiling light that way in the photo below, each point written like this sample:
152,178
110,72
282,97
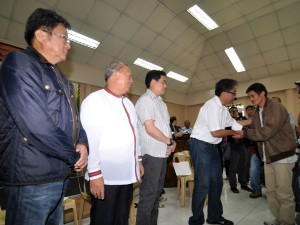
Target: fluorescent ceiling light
236,62
83,40
177,76
147,65
202,17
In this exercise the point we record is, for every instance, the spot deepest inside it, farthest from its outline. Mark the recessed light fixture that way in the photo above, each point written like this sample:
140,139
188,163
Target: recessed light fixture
177,76
235,60
202,17
83,40
147,65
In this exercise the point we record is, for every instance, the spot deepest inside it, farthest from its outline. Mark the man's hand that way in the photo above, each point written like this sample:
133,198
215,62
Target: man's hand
238,134
97,188
170,149
82,161
141,169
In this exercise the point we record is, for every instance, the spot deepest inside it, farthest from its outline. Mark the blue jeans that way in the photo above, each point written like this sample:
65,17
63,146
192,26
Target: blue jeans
208,181
255,173
40,204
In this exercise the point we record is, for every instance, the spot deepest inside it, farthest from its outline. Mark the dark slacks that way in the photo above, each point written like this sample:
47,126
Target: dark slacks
151,187
237,165
114,209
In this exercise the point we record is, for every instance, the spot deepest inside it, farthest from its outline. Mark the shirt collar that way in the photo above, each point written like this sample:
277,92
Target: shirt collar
40,56
149,92
113,94
218,101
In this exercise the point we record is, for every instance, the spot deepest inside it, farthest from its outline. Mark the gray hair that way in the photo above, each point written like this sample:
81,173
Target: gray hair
112,68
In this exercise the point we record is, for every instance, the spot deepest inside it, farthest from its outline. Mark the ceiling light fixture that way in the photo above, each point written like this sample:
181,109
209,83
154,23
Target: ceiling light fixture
177,76
83,40
235,60
147,65
202,17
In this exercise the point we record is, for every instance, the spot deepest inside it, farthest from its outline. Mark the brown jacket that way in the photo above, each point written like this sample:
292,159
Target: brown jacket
276,133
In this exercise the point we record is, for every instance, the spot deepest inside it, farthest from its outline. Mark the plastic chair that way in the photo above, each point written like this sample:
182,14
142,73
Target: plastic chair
70,203
183,180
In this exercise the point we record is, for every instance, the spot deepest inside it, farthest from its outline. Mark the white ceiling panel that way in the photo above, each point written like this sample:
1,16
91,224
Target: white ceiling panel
265,34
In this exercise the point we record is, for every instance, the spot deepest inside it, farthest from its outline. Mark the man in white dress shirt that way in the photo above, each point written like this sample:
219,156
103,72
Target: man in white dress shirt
114,161
208,131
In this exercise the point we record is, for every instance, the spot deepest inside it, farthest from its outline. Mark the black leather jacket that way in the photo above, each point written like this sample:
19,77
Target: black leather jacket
38,126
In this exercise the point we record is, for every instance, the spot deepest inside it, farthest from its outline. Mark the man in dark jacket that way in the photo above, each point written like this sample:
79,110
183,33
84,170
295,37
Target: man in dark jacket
41,138
272,131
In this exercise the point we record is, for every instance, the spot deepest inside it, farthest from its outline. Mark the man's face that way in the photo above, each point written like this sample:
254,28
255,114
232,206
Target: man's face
257,99
124,79
56,47
230,95
250,111
234,113
159,87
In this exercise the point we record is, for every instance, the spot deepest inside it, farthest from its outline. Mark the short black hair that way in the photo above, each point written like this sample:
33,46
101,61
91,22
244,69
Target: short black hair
43,18
257,88
172,119
250,106
233,107
224,85
153,75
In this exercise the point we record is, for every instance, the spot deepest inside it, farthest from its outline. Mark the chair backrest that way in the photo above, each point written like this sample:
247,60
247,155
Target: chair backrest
181,156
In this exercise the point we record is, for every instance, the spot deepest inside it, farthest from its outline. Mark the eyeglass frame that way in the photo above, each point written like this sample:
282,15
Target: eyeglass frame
233,93
65,37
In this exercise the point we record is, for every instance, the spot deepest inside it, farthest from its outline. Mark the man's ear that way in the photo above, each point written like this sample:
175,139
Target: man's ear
40,35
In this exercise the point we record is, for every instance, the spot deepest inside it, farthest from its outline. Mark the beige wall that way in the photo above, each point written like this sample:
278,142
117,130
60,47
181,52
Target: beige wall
187,106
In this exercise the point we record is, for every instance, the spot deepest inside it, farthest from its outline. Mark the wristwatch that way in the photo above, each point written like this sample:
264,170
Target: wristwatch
171,142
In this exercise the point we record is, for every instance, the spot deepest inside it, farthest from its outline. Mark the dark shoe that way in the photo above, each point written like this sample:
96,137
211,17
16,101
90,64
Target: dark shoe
235,190
255,195
246,188
222,221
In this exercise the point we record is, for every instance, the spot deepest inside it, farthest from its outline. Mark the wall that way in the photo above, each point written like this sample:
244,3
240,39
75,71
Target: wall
187,106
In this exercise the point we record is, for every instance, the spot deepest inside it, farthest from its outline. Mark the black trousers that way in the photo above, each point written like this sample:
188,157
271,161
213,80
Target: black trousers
114,209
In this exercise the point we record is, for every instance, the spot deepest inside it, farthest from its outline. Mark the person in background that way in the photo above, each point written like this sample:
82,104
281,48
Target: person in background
113,166
156,143
256,169
237,158
187,127
273,133
207,133
41,137
175,128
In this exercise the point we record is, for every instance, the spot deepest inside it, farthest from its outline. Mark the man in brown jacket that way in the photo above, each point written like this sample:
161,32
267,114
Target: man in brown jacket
272,131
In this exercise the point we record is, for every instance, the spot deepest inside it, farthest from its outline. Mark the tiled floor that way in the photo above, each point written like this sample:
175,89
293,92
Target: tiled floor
239,208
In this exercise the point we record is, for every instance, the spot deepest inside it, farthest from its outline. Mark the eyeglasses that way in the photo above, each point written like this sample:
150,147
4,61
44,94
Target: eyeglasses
65,37
232,111
233,93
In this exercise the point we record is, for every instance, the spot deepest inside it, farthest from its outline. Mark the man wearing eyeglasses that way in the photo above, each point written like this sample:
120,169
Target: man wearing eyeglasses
41,137
207,133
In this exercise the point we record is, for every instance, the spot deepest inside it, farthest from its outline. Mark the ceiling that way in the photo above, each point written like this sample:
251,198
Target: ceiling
264,33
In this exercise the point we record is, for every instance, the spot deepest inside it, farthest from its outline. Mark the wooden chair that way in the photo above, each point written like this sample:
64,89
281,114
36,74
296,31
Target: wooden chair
183,180
85,197
70,203
132,207
2,216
